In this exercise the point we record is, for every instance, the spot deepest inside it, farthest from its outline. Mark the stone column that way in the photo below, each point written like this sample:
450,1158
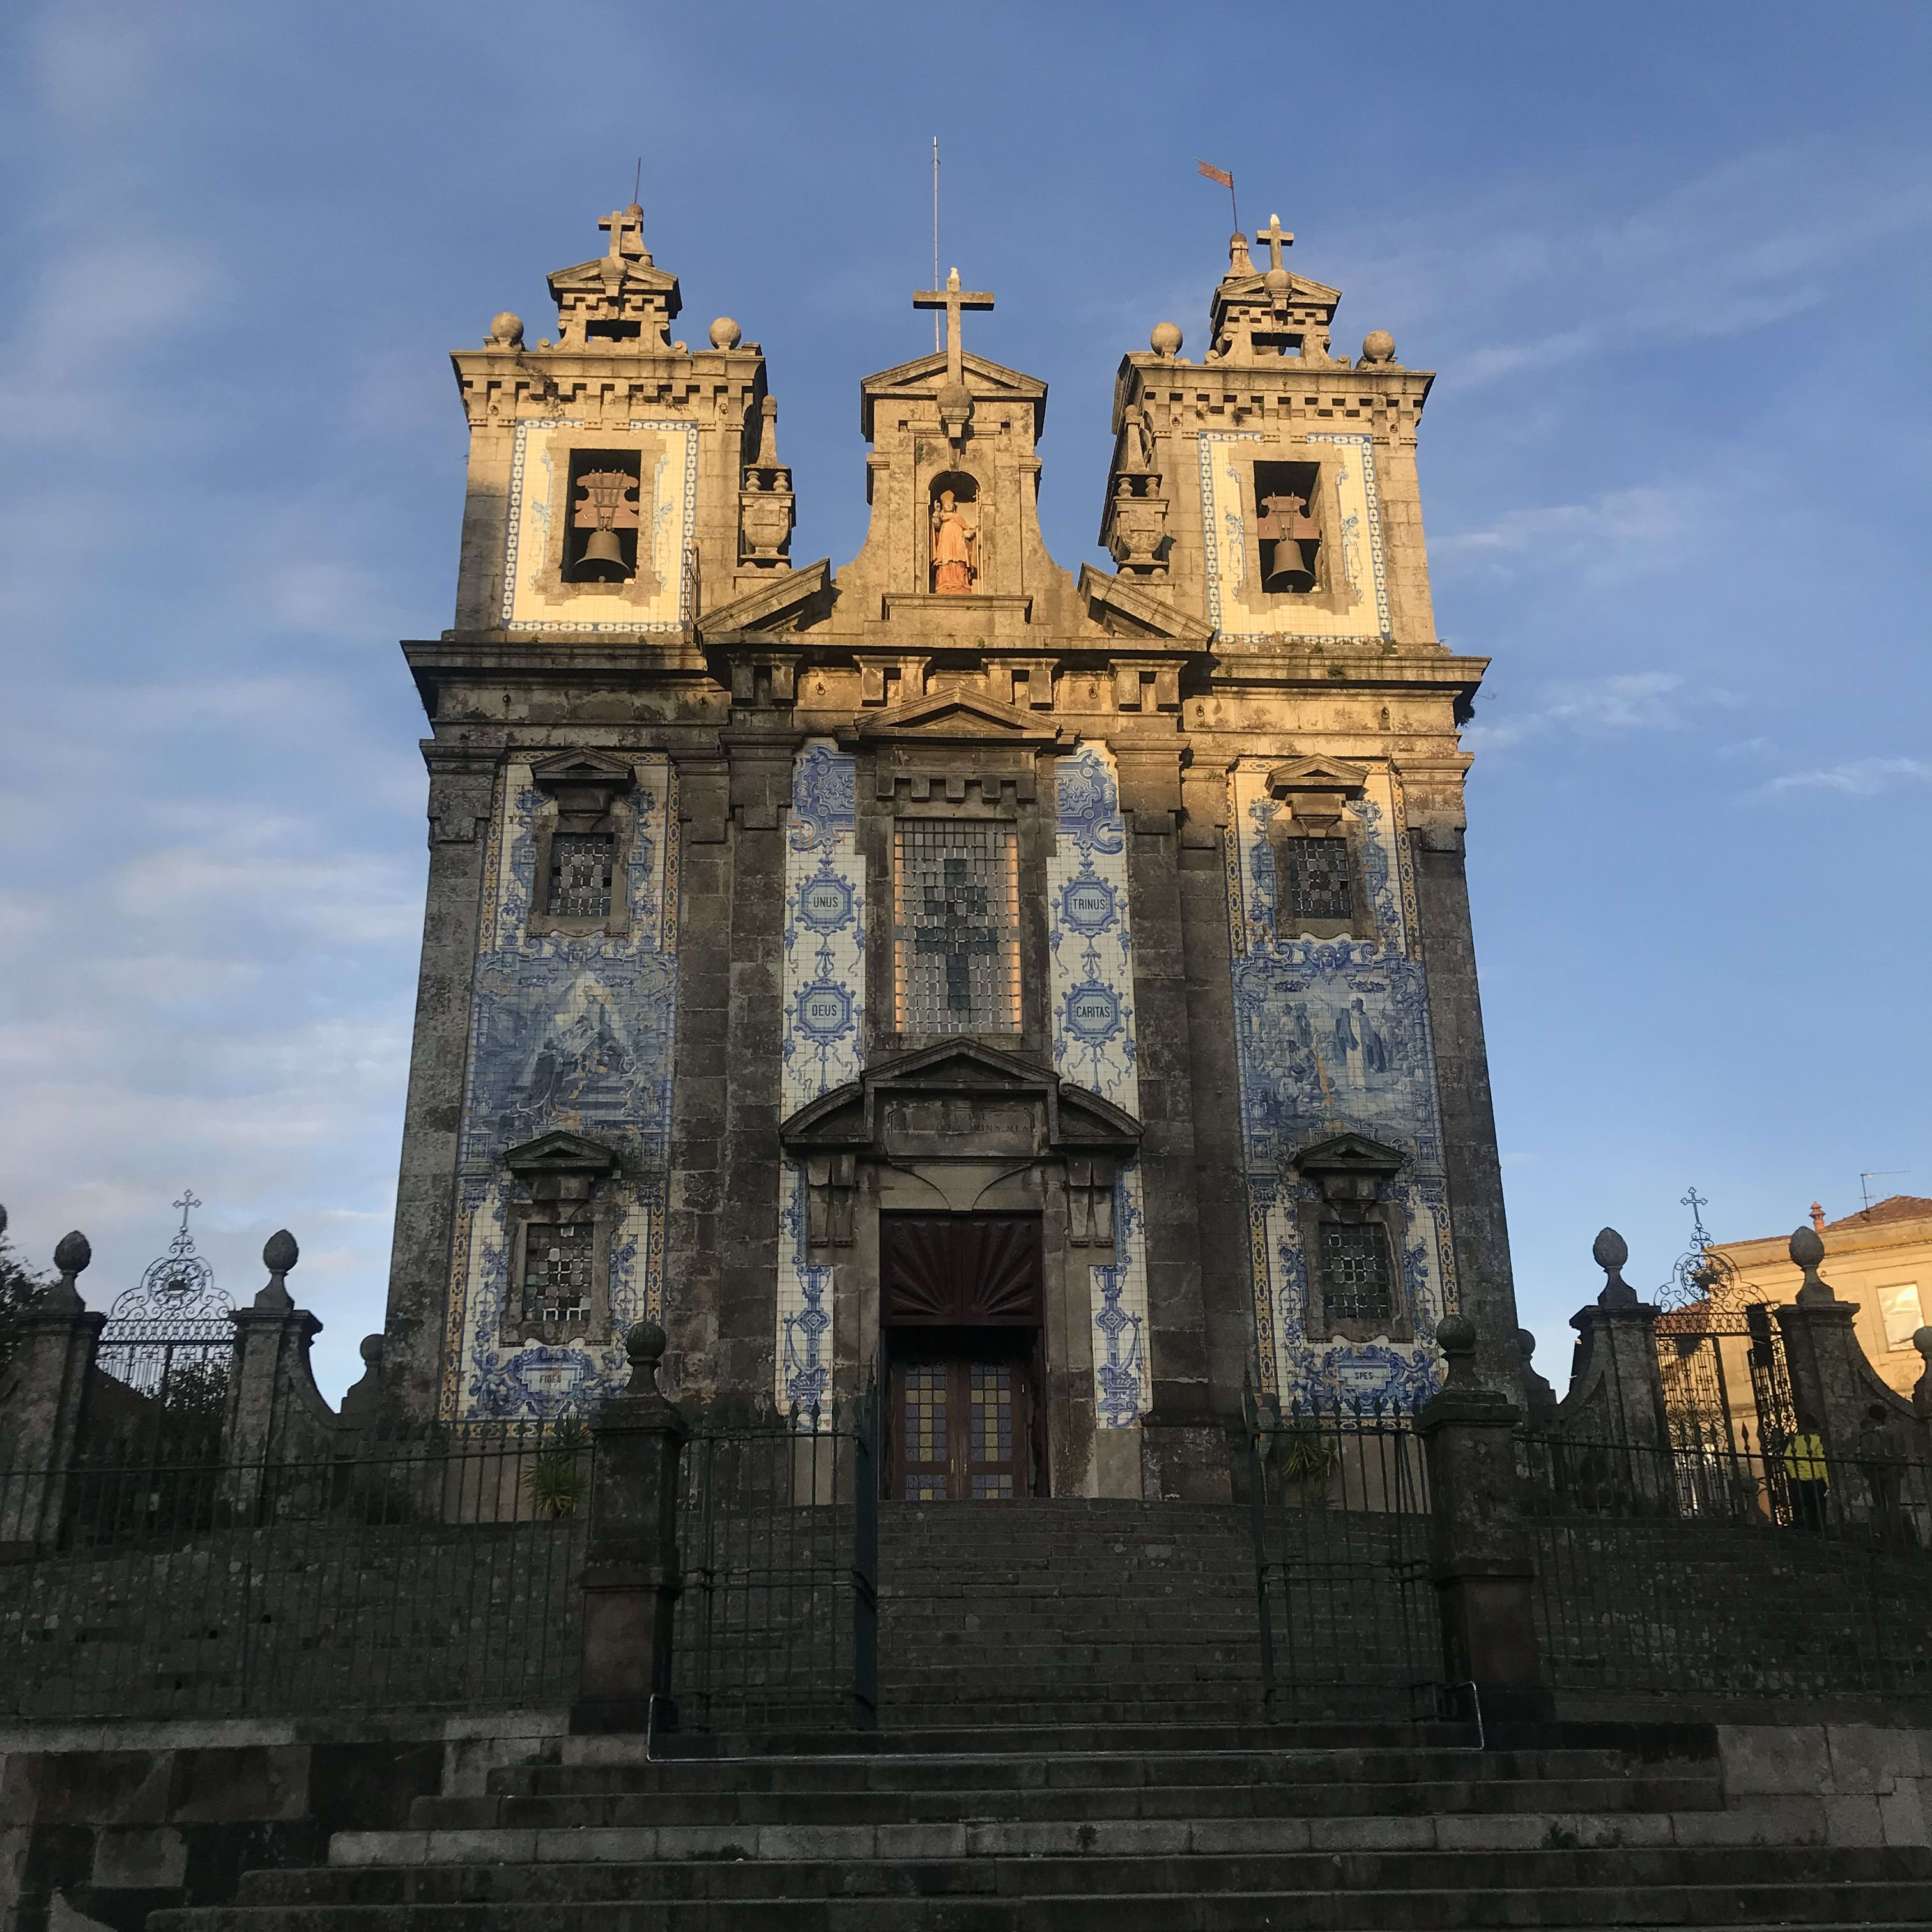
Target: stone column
1470,1161
631,1574
1616,1389
43,1402
1479,1560
1832,1384
275,1411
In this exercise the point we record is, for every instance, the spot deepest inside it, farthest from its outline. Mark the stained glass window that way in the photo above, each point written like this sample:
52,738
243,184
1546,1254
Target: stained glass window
1318,879
992,1429
926,1434
580,874
1355,1277
557,1270
956,928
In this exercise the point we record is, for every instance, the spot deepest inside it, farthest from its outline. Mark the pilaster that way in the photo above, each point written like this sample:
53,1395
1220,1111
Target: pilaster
43,1402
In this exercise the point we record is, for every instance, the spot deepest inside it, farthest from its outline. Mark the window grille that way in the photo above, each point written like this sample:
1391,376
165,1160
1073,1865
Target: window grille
557,1270
1318,879
1355,1274
956,934
580,874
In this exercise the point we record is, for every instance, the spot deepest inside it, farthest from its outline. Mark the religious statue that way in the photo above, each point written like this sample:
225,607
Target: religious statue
956,546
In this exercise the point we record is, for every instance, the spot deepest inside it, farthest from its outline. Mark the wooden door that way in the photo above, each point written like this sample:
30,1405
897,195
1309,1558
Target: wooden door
960,1429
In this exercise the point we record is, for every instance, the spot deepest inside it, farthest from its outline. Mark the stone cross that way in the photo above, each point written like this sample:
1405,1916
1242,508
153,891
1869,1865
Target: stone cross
1277,239
621,222
952,298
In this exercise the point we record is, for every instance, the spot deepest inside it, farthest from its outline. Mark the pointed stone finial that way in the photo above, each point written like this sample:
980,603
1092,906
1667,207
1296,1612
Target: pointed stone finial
768,433
1238,263
71,1257
644,1348
279,1254
1610,1251
1818,1216
1807,1249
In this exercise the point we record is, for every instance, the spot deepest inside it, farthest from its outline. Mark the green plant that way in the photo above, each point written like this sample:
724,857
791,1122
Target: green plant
1304,1459
558,1477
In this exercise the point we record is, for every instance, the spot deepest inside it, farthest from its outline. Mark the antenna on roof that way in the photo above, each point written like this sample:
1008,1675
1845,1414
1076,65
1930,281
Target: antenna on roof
637,180
1874,1174
935,239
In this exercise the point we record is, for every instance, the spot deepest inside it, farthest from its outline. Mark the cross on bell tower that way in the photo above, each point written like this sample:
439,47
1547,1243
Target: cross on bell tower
953,298
1276,237
623,223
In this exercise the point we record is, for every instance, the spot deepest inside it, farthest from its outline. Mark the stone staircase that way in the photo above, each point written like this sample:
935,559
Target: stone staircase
1071,1742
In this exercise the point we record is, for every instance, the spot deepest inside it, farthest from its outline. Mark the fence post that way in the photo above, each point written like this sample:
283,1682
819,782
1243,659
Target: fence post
1832,1384
1479,1558
43,1401
632,1576
271,1380
865,1556
1617,1377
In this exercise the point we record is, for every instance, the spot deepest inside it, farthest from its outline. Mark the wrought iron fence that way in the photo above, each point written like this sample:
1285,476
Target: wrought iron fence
416,1574
1338,1502
778,1621
1782,1567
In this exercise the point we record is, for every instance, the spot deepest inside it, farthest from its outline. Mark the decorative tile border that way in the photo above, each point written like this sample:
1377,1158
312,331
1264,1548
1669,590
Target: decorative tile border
519,470
822,1032
571,1033
1090,940
1333,1037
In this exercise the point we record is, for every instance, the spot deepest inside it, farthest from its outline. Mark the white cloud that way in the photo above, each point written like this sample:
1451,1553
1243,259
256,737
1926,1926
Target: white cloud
1622,532
1632,701
1856,778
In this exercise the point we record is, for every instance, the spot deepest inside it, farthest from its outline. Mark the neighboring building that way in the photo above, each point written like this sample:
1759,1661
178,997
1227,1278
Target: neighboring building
1055,992
1879,1258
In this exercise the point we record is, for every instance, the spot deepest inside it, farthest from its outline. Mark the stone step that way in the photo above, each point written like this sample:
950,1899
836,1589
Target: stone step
622,1771
1034,1735
1093,1804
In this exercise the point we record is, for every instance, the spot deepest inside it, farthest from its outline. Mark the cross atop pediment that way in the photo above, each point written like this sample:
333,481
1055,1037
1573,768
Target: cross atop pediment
953,298
1276,237
624,224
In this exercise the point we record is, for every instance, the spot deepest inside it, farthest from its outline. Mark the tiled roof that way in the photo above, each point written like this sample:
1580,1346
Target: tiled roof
1894,1208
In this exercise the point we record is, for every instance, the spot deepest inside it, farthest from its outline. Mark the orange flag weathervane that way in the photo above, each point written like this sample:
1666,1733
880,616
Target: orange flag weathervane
1227,181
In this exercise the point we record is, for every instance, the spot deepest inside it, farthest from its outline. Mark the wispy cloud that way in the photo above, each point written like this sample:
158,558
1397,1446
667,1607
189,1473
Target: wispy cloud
1619,534
1632,701
1856,778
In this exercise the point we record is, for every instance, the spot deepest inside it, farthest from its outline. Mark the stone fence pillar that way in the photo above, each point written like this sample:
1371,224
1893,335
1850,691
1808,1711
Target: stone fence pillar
1834,1388
1616,1388
1479,1558
275,1411
43,1401
632,1576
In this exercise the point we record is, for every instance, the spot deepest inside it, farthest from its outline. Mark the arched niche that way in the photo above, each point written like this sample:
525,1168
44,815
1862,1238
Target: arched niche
955,562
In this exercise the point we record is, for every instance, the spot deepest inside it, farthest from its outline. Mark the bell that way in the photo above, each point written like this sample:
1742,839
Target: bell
1290,540
603,559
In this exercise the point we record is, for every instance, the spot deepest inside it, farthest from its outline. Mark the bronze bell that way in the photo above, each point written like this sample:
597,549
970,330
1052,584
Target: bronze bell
1291,541
603,558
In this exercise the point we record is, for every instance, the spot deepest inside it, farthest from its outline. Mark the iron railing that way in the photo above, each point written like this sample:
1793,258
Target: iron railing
419,1573
777,1622
1339,1504
1778,1570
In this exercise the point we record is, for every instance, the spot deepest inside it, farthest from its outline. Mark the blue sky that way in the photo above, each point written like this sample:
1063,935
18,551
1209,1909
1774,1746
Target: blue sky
1671,263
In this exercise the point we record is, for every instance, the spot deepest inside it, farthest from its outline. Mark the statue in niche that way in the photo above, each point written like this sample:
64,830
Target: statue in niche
956,545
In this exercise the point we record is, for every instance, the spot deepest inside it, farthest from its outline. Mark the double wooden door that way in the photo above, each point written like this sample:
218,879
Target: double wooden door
960,1298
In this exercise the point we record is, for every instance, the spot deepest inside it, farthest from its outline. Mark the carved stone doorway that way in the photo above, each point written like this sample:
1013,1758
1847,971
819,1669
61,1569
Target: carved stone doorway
960,1299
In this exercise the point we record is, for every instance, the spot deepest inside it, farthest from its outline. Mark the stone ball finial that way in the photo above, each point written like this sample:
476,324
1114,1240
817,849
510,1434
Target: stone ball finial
644,1344
370,1350
506,331
1805,1248
280,1252
725,334
1280,284
73,1253
1456,1335
1525,1343
1378,346
1166,340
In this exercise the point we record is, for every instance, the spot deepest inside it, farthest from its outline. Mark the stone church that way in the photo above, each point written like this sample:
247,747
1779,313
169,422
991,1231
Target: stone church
1052,992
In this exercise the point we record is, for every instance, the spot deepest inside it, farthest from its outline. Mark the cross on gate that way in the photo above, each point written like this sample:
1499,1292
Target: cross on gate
960,934
1277,239
952,298
189,1199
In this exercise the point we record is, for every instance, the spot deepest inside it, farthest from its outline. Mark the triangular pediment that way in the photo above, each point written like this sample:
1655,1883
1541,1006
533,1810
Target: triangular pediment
1349,1153
1317,773
599,273
985,381
582,768
1302,291
772,606
954,716
560,1152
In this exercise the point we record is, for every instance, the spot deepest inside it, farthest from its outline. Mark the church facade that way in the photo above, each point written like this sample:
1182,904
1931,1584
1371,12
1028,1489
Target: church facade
1053,993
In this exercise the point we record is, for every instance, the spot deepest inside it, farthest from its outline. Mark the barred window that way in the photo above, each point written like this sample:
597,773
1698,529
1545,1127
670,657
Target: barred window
1318,879
956,927
1355,1273
557,1270
580,874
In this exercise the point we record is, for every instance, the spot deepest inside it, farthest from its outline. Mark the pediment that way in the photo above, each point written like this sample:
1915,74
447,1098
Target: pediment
582,768
560,1152
985,381
849,1117
956,717
594,276
1301,290
1142,608
1349,1153
1317,773
769,606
